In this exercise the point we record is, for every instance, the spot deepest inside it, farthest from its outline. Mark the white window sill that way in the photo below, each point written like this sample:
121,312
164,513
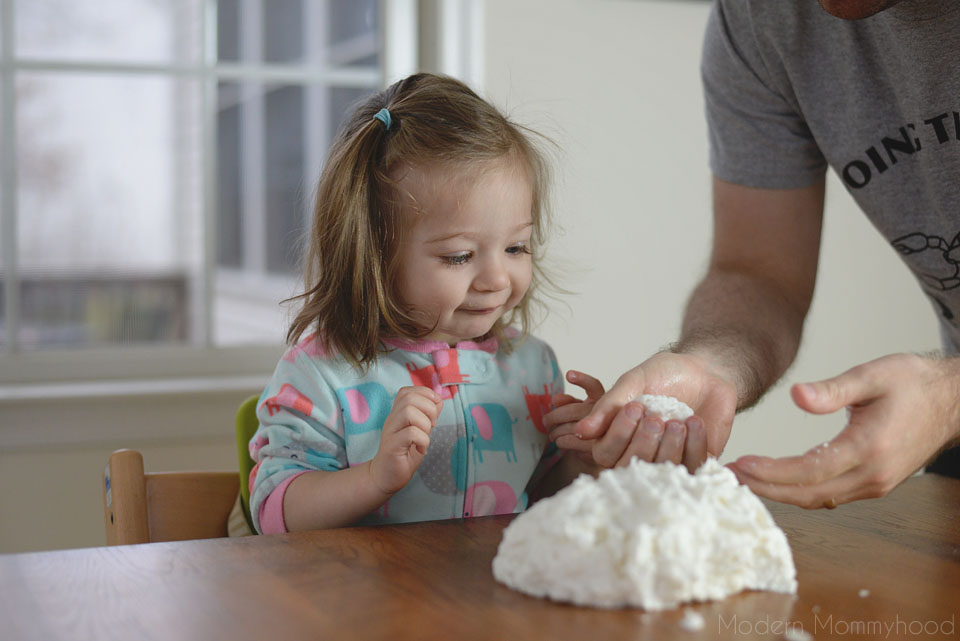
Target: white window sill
150,368
145,387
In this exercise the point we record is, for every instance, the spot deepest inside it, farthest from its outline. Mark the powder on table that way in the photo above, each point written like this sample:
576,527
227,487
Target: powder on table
646,535
692,621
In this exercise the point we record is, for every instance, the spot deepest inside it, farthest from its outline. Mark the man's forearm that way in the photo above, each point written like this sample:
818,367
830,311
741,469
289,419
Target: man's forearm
745,327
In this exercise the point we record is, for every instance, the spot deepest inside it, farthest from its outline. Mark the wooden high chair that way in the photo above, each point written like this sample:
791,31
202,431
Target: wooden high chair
164,506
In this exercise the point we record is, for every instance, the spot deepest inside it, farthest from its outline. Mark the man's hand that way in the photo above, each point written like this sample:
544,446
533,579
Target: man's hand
405,438
902,411
616,429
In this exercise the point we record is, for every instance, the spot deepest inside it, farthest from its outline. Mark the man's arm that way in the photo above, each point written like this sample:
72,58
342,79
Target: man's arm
746,316
741,329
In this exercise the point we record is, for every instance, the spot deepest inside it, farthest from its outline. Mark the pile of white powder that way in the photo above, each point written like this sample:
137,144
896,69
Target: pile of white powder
646,535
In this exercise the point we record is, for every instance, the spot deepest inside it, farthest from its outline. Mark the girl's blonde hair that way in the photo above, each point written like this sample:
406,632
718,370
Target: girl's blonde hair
350,263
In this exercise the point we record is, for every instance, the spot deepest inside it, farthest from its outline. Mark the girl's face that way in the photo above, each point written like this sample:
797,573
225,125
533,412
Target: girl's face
465,256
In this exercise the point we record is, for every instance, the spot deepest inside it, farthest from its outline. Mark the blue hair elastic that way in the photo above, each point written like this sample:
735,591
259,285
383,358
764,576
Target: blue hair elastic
384,116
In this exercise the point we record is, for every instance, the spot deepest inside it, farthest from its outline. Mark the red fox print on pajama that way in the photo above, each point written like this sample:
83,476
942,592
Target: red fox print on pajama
442,377
288,396
538,405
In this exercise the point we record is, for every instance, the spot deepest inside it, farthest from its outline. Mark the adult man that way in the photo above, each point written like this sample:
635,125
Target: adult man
866,87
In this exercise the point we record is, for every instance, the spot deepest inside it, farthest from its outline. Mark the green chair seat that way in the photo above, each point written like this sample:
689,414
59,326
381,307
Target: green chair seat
246,425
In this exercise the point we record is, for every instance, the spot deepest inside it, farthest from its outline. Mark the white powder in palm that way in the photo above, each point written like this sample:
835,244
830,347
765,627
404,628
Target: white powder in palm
646,535
666,407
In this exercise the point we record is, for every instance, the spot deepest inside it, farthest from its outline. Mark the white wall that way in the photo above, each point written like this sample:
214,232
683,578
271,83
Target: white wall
617,85
53,452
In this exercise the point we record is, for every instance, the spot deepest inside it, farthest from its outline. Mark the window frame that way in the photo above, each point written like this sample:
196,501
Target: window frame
137,370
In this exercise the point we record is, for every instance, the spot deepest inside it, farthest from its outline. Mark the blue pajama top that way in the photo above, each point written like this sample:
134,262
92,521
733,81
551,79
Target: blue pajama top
489,444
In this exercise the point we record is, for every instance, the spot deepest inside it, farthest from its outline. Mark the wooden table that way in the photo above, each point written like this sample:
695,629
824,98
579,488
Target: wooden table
433,581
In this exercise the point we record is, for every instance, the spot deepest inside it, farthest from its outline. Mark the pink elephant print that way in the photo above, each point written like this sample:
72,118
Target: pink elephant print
365,407
489,497
538,405
490,428
289,398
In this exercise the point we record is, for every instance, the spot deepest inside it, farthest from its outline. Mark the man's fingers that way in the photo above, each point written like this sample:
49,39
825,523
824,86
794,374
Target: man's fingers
645,441
823,397
819,464
671,445
611,446
831,493
590,385
610,405
695,450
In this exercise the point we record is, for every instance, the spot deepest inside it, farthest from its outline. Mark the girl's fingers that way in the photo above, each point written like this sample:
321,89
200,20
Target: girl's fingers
590,385
559,400
414,437
611,446
423,399
410,416
571,442
569,414
418,390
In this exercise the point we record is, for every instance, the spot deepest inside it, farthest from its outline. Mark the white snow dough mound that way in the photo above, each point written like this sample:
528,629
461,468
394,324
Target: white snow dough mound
646,535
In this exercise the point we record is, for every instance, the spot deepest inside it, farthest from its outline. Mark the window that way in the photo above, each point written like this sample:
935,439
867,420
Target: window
272,136
157,164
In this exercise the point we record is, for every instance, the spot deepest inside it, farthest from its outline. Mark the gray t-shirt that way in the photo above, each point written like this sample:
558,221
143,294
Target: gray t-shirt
791,89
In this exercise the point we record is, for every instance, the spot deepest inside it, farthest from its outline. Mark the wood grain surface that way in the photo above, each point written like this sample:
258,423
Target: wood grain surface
433,581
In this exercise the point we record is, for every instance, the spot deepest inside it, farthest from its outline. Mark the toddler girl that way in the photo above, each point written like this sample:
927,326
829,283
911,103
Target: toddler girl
408,395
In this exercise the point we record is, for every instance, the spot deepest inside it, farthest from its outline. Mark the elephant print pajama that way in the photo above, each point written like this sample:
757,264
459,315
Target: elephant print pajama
488,448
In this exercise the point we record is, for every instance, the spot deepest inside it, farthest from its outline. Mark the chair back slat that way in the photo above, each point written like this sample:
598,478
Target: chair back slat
164,506
190,505
124,499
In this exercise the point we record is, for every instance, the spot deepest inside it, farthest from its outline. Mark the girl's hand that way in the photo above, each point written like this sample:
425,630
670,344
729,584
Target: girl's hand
567,411
902,411
405,438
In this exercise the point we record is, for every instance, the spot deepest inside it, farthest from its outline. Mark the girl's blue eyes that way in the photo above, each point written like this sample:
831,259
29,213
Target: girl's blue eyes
464,258
456,259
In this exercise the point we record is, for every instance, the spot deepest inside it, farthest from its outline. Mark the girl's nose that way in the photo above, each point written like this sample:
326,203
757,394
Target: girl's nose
493,276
